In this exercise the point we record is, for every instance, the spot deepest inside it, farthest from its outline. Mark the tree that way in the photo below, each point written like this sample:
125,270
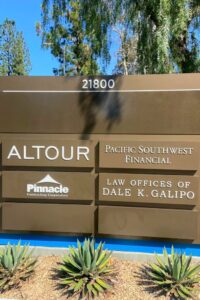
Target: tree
67,35
14,55
166,31
126,56
127,52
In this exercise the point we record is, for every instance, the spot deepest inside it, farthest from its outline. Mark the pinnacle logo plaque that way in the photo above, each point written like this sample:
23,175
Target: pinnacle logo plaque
53,185
47,187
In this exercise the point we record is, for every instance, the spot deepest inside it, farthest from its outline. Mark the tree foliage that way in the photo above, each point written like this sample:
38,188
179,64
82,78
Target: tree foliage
127,51
167,36
126,56
14,55
165,32
66,30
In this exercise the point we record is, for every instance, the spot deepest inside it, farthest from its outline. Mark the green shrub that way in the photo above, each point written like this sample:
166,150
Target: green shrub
16,264
174,274
86,271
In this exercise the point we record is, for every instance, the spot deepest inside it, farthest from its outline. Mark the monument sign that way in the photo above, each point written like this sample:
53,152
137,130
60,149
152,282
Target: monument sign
112,156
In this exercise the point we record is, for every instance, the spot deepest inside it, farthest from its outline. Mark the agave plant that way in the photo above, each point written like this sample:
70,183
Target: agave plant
16,264
174,274
86,271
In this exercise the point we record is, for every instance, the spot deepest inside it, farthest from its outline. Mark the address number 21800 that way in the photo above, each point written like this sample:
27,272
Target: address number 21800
98,84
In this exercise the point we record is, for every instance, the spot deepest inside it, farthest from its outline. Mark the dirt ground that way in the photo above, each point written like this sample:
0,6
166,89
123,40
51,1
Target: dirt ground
130,283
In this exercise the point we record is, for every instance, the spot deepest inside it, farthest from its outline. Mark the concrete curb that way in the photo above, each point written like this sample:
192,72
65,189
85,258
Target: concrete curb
132,256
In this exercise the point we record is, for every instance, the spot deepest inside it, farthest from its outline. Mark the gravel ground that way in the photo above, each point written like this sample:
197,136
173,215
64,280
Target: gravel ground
130,283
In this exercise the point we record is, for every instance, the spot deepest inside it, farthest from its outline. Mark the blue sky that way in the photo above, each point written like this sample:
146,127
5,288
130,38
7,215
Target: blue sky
26,13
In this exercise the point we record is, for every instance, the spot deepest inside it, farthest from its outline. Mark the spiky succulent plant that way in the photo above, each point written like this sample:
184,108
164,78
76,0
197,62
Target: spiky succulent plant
16,264
86,271
174,274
